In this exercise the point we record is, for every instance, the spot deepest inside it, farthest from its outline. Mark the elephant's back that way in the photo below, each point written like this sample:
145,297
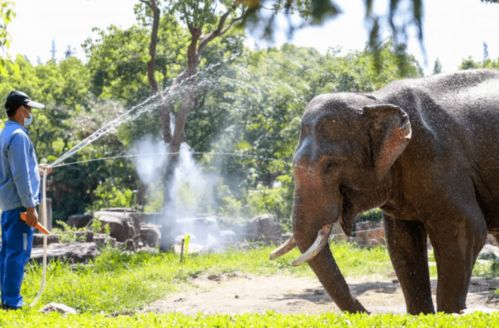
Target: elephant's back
456,124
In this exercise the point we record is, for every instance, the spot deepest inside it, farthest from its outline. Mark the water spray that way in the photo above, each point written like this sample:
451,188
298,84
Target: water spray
145,106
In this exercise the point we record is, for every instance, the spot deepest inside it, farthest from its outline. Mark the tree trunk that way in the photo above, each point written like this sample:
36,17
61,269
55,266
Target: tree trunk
169,206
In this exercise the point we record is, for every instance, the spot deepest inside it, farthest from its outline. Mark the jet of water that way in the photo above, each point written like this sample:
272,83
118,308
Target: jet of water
169,94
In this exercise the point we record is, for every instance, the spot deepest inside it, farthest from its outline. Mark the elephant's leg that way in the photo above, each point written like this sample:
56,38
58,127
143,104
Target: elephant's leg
407,247
457,240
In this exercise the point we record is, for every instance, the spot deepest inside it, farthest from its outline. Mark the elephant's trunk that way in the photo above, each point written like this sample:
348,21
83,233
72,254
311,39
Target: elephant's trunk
323,263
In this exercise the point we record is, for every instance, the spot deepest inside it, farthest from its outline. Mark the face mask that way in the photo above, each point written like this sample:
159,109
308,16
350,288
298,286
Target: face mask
28,121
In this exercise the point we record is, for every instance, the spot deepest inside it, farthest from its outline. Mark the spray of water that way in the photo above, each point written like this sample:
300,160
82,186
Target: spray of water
169,94
193,206
193,190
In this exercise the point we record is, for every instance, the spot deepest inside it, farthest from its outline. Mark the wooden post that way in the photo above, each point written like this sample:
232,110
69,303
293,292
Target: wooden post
182,250
49,213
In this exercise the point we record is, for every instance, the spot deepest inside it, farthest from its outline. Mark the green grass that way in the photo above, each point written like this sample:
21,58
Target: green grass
122,283
118,282
28,319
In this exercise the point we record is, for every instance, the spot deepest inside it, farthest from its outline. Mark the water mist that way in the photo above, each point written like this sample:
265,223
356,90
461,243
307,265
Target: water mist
192,207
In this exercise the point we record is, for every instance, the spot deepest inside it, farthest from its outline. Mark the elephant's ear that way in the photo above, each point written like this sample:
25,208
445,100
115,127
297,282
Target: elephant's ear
390,132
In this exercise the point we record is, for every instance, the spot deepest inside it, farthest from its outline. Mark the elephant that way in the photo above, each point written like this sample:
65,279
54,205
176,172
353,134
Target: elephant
426,152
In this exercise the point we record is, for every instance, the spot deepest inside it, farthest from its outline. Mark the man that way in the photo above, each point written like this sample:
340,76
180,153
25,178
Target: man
19,192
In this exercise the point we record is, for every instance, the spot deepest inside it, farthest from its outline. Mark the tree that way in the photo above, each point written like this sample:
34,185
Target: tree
206,21
437,67
266,105
7,14
316,12
485,52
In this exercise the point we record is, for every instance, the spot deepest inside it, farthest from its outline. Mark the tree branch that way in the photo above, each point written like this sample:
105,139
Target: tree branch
152,46
220,30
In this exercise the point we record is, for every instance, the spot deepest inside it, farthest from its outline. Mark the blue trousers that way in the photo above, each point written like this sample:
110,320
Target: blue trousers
17,239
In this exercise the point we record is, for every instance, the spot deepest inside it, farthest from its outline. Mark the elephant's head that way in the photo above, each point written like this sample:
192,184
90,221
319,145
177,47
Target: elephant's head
348,145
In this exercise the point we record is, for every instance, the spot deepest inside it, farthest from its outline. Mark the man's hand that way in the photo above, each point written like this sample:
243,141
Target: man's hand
31,217
44,168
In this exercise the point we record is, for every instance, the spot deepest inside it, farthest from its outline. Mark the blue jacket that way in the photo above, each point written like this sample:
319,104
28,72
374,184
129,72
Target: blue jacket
19,176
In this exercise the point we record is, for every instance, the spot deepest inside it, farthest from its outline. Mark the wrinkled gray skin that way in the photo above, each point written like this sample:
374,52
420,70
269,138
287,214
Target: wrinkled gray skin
426,151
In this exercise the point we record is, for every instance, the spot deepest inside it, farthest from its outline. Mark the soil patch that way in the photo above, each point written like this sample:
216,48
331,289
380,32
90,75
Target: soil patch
243,293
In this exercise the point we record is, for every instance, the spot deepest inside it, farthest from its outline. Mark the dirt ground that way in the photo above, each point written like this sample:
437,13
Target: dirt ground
242,293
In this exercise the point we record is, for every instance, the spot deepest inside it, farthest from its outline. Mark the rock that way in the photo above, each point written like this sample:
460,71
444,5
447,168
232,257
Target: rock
121,224
150,234
369,233
38,239
72,253
149,250
264,228
58,307
489,252
129,245
79,220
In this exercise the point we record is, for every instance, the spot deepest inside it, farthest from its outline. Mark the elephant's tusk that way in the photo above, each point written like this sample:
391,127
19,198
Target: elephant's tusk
317,246
287,246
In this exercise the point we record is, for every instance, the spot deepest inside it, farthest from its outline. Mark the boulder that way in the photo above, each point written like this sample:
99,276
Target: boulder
150,234
38,239
79,220
121,224
369,233
264,228
129,245
72,253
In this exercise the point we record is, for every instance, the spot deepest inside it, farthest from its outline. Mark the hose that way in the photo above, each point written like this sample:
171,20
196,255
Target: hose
43,213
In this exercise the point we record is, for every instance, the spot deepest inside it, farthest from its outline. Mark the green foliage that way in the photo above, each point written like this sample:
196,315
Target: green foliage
266,103
108,195
251,107
470,63
374,215
270,200
7,14
68,234
314,12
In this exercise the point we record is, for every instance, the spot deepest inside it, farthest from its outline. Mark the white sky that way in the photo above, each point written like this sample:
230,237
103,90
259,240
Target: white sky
453,29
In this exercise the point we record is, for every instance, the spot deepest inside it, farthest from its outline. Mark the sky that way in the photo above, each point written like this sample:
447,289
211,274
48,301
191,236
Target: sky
453,29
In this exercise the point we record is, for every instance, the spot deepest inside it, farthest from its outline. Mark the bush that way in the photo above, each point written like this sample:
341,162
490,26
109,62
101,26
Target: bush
108,195
374,215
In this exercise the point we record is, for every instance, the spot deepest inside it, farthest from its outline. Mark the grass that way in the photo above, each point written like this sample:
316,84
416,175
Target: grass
269,319
122,283
118,282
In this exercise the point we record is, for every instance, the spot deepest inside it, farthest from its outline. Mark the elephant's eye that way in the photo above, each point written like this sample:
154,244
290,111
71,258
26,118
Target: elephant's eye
330,166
